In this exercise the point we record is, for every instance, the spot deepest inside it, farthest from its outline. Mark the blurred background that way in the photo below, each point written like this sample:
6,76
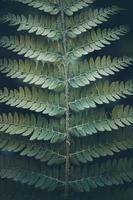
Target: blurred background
124,46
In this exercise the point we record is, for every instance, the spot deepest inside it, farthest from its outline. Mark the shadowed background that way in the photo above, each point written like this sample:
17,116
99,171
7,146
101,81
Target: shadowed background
119,48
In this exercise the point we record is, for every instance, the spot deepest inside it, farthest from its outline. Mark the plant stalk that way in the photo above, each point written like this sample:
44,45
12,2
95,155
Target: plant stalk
66,71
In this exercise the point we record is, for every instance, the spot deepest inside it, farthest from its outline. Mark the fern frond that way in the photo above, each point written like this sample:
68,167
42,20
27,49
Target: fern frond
16,170
35,128
52,77
40,151
88,19
34,48
101,93
34,99
41,74
31,47
84,72
47,26
111,172
70,7
47,6
96,40
40,25
60,140
120,117
74,6
108,145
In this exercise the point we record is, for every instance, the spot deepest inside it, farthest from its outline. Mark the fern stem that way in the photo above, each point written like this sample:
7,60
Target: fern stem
67,136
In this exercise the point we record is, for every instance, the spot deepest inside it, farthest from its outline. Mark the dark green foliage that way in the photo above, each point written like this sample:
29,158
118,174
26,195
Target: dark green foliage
65,125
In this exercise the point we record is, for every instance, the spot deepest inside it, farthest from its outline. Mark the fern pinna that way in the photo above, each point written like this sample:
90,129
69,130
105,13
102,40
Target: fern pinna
60,122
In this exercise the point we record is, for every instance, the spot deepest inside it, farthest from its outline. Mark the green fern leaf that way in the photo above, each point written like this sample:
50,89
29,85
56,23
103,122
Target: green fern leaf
28,99
48,6
101,93
37,179
96,69
63,126
89,19
107,145
38,25
30,49
96,40
40,129
40,74
39,151
98,177
120,117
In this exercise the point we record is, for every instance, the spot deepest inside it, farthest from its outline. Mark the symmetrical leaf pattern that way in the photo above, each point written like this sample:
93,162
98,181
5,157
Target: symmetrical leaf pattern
65,123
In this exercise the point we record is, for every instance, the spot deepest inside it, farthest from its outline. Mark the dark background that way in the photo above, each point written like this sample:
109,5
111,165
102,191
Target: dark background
119,48
125,45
